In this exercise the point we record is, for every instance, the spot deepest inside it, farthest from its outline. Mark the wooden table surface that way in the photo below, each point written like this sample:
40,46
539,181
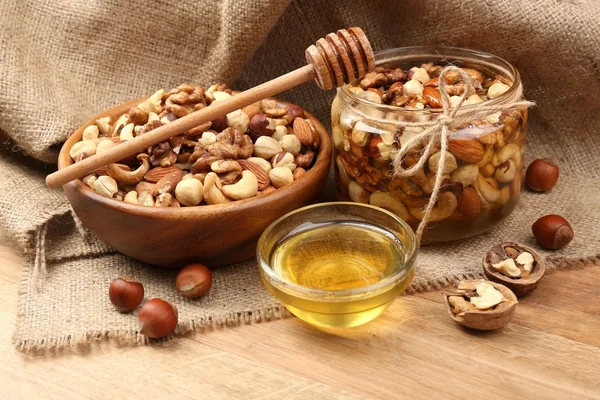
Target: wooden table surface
551,350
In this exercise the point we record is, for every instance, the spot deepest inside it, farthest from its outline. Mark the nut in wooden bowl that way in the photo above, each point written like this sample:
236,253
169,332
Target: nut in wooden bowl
204,196
480,304
514,265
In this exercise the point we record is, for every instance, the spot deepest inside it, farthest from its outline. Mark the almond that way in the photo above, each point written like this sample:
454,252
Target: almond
155,174
167,183
468,150
263,178
469,203
305,134
433,97
252,110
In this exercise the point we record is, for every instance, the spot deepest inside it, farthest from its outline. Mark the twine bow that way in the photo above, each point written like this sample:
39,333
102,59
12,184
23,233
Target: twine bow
441,130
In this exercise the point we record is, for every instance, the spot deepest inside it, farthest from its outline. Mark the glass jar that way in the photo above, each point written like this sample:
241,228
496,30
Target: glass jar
483,172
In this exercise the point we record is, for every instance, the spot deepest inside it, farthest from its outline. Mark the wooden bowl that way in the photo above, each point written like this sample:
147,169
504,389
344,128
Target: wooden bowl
173,237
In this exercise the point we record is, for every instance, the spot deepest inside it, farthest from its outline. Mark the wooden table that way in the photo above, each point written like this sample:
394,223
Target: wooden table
551,350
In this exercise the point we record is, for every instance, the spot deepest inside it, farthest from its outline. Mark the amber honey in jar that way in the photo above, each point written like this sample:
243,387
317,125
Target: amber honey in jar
483,171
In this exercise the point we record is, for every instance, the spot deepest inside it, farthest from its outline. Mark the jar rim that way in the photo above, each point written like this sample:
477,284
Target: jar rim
454,53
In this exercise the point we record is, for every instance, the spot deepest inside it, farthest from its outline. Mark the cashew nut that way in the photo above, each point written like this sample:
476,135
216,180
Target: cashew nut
189,192
84,148
360,137
127,132
104,145
244,188
120,175
106,186
507,152
343,177
497,89
449,166
212,190
506,171
446,205
466,174
338,136
487,192
504,195
358,193
90,132
420,74
487,157
131,197
152,104
103,125
390,203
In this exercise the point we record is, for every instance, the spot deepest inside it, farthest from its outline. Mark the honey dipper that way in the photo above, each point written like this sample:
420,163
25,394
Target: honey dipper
339,58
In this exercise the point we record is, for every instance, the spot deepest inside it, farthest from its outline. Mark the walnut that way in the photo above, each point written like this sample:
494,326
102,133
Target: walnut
305,160
382,76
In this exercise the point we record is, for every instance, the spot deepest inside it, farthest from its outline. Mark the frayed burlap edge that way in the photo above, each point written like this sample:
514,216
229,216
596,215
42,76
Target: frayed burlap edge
35,258
131,338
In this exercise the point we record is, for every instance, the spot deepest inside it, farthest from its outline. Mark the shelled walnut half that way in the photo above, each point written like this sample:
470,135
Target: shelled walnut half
480,304
518,267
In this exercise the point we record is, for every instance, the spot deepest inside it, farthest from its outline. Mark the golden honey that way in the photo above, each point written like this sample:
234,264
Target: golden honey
348,272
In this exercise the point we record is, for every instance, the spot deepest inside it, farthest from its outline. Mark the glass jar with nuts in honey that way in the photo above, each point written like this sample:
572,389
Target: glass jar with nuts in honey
483,168
337,265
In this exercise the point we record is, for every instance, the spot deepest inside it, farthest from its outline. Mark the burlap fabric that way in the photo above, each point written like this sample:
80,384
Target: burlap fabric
63,61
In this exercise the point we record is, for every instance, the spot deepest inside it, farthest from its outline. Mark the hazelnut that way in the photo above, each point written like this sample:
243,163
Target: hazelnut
157,318
281,176
261,125
125,293
552,232
194,280
541,175
295,111
189,192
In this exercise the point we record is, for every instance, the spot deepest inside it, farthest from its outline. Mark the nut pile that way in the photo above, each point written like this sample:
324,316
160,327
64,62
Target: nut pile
158,318
246,153
483,168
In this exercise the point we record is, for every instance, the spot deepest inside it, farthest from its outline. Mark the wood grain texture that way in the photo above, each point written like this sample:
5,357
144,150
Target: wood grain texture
414,351
214,235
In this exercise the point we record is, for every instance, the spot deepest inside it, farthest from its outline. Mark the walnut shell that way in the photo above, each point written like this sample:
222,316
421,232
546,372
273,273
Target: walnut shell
484,320
520,286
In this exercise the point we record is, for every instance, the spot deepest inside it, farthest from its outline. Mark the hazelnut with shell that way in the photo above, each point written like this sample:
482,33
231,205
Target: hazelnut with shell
514,265
480,304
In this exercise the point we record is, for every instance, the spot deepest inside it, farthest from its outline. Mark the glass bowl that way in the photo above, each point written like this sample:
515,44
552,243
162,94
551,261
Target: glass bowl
337,265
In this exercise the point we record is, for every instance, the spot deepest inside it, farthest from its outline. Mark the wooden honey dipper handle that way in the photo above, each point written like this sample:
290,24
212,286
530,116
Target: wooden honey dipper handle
336,59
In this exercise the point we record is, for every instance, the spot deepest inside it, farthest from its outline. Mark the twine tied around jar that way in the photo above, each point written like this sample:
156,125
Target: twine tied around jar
440,130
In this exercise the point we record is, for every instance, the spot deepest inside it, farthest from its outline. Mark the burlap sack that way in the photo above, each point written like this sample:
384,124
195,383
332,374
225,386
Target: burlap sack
61,62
